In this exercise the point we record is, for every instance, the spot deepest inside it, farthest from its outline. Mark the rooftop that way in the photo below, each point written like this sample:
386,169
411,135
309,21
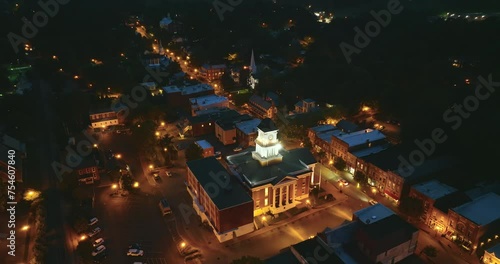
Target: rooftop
309,100
328,134
495,250
294,162
285,256
232,194
213,116
388,233
451,200
482,210
370,151
216,66
249,126
347,126
257,100
342,234
373,214
311,248
434,189
207,100
484,188
361,137
203,144
323,128
231,122
267,125
187,90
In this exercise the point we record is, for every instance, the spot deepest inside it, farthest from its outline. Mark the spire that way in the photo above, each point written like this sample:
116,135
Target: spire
253,67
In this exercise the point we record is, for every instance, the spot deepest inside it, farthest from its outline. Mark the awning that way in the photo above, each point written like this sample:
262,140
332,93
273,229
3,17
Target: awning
393,196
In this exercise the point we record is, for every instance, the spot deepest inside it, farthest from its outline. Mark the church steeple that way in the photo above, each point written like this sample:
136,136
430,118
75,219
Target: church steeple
253,67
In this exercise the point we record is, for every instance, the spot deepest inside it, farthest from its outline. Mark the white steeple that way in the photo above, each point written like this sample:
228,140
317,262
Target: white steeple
253,67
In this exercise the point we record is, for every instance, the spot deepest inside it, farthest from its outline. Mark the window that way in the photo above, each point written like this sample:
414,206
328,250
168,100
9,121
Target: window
266,191
257,203
266,202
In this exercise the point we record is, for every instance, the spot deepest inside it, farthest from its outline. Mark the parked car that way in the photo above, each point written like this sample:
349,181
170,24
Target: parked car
343,182
99,257
372,202
135,252
168,173
98,250
218,155
135,246
98,242
94,232
156,177
93,221
237,149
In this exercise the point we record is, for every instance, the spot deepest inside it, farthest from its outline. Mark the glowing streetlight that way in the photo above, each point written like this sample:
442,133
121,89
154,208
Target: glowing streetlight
76,77
136,184
185,63
157,133
150,167
54,57
118,156
83,237
114,186
264,218
183,245
95,145
26,227
308,202
165,149
162,124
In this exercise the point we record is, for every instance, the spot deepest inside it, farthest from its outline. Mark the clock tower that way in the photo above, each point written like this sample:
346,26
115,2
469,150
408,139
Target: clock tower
267,146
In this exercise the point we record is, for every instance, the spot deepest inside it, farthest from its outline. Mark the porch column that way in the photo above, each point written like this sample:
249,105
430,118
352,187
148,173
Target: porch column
287,194
272,197
293,192
281,196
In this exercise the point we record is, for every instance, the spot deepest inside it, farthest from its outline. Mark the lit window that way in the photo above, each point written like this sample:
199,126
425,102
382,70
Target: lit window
266,202
266,192
202,125
209,124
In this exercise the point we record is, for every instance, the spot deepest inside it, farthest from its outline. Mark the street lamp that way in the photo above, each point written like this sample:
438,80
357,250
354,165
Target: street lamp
264,218
26,227
165,149
118,156
162,123
183,245
136,185
95,145
114,186
157,133
83,237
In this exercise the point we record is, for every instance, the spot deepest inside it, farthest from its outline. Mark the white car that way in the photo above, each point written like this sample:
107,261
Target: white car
93,221
344,182
237,149
372,202
135,252
98,242
98,250
94,232
168,173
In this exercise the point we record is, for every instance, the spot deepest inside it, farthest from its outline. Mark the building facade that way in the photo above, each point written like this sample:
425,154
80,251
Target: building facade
208,149
212,72
261,108
103,118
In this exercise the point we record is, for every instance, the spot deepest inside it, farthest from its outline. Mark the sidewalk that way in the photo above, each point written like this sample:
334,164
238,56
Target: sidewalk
285,221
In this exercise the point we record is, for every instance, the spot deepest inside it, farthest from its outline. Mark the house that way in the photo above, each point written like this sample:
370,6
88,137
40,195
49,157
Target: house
88,170
225,128
212,72
170,25
208,150
428,192
207,102
204,124
277,179
475,223
219,199
492,255
246,132
313,250
304,106
321,136
261,108
102,118
375,235
179,97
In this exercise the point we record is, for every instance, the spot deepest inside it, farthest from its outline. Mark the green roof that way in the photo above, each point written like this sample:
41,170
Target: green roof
224,190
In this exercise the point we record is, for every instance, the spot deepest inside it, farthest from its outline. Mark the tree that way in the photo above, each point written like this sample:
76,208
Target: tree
339,164
126,182
85,249
194,152
80,225
226,81
430,251
247,260
411,206
360,177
